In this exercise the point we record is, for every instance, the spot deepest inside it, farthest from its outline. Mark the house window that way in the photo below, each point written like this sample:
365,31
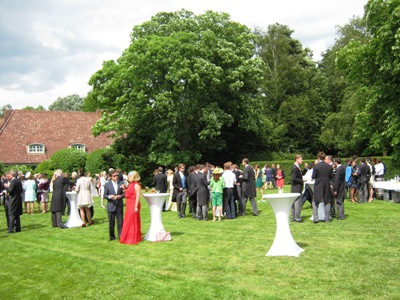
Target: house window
36,148
79,147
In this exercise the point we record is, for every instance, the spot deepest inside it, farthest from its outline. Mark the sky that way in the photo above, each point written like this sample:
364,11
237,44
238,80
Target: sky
51,48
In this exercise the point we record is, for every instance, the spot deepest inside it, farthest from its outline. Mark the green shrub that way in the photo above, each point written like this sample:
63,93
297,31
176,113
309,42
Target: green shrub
69,160
46,167
99,160
286,165
20,168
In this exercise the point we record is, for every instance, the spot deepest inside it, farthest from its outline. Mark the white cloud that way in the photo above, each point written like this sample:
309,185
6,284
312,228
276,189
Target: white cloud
50,48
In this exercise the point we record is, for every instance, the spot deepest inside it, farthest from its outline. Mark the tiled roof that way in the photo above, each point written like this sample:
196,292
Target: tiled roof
56,130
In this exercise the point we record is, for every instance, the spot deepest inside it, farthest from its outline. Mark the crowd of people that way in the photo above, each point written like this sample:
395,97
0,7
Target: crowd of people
332,183
225,191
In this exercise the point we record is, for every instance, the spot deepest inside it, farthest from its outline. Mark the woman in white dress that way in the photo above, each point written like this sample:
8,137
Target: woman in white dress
84,200
101,188
29,186
170,205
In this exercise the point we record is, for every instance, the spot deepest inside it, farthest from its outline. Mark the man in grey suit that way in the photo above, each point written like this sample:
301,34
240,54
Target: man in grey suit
248,187
297,187
114,193
323,173
339,188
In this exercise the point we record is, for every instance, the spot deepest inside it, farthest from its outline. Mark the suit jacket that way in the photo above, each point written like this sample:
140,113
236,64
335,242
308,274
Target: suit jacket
201,187
160,182
15,197
177,183
109,190
297,180
58,197
248,182
323,173
364,173
339,184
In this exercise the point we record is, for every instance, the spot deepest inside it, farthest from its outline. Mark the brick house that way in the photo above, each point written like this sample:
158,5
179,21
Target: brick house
29,137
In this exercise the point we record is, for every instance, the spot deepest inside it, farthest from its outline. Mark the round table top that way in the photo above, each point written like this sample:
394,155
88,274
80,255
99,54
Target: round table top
281,195
155,194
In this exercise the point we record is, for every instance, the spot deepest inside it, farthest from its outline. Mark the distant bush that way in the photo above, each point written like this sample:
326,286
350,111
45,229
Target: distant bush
69,160
46,167
20,168
286,165
99,160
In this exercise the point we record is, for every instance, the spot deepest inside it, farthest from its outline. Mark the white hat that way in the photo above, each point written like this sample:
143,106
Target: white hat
27,175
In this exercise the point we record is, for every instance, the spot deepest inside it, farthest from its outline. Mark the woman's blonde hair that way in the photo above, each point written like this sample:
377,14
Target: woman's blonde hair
134,175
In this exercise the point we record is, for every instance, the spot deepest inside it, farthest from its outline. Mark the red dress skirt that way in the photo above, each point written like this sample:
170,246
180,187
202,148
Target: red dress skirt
131,228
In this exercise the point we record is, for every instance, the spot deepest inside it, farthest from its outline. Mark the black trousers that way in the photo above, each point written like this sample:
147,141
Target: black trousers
118,216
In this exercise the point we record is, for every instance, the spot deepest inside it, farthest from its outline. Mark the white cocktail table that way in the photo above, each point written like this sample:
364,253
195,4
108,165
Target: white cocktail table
74,220
155,202
284,244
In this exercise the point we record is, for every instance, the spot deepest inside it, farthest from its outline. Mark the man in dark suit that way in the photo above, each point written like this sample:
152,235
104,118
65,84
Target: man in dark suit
323,173
114,194
160,182
248,187
297,187
14,189
339,188
237,190
364,174
201,190
192,191
58,198
179,194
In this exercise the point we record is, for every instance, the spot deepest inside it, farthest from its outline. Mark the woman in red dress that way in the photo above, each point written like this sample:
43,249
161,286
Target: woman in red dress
131,229
280,178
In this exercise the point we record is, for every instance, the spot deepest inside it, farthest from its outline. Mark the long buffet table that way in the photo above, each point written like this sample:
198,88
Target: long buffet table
391,189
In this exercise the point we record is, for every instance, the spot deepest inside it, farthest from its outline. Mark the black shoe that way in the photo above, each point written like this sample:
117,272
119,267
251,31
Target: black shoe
63,227
293,220
299,221
315,222
112,239
255,215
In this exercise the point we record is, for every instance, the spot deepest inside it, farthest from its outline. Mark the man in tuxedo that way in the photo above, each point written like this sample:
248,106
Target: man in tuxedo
179,194
323,173
297,187
248,187
58,198
339,188
192,191
200,185
364,174
160,182
114,194
237,190
14,205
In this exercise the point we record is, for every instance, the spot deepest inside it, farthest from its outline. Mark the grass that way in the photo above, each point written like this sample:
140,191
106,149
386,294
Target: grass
353,259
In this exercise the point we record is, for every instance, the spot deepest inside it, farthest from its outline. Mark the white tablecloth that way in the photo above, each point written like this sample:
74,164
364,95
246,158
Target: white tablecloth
284,244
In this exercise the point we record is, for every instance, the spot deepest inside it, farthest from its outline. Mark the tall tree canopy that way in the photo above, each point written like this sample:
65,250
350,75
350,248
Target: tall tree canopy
375,68
344,99
68,103
184,90
290,91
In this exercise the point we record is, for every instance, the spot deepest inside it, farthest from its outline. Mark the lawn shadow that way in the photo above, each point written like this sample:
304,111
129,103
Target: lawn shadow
176,233
32,226
302,245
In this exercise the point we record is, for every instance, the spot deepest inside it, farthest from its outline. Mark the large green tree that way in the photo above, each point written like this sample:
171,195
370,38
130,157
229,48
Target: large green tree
68,103
375,68
344,98
184,90
290,91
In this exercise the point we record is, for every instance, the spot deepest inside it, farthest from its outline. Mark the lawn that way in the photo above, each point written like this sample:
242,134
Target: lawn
357,258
